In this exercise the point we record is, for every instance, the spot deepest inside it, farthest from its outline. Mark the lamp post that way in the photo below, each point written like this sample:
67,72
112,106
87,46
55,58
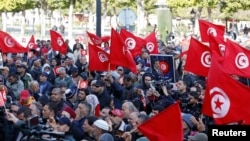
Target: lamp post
98,18
164,18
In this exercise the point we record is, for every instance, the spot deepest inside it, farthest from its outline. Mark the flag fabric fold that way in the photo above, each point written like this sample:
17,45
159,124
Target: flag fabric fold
151,43
120,55
226,99
98,59
199,56
237,59
166,126
133,43
9,45
58,43
210,29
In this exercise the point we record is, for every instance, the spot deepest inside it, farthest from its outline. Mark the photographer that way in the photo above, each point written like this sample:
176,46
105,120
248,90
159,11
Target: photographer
23,114
194,107
182,93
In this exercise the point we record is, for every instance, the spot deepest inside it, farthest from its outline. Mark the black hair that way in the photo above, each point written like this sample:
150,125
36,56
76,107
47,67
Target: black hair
91,119
25,111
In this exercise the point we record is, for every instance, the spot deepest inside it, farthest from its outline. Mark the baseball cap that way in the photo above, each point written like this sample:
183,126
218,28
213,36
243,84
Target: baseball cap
116,112
64,120
44,74
70,111
199,137
99,83
24,94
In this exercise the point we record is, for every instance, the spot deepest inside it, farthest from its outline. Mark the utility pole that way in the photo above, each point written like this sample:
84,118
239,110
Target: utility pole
98,18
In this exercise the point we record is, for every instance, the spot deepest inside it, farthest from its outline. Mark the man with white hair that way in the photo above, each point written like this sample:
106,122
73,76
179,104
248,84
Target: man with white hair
63,77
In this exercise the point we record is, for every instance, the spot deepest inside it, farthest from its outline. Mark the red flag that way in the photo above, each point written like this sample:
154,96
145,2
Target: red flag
3,98
105,38
31,44
198,58
119,53
166,126
9,45
96,40
237,59
151,43
98,59
56,70
226,99
84,52
82,84
57,42
209,29
218,44
133,43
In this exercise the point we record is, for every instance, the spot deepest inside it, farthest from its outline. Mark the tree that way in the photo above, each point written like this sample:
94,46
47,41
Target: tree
15,6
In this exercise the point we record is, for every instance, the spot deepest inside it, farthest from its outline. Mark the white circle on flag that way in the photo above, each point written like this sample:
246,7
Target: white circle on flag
150,46
220,102
241,60
130,43
206,59
211,31
8,41
102,57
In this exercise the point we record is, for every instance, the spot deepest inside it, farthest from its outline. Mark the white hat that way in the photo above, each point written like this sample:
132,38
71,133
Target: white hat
101,124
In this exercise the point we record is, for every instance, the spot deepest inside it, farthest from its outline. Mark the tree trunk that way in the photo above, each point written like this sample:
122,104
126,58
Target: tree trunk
42,18
70,22
4,21
209,12
23,20
105,10
140,16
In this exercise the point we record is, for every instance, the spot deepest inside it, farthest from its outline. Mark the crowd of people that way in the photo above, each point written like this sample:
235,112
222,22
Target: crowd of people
44,83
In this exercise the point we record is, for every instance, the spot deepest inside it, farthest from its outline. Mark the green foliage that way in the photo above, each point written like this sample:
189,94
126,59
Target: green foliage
231,6
16,5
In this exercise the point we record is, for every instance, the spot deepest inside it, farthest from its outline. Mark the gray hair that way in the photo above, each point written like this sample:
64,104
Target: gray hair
131,107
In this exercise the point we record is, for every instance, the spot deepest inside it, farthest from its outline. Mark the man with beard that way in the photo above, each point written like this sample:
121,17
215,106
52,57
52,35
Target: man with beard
193,107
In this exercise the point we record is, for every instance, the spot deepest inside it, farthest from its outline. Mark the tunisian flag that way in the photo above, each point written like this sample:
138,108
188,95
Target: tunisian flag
166,126
218,44
96,40
98,59
120,54
57,42
198,58
237,59
9,45
133,43
209,29
226,99
31,44
151,43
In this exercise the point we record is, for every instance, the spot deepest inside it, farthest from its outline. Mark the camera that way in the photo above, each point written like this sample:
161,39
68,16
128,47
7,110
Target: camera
161,83
44,133
33,122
